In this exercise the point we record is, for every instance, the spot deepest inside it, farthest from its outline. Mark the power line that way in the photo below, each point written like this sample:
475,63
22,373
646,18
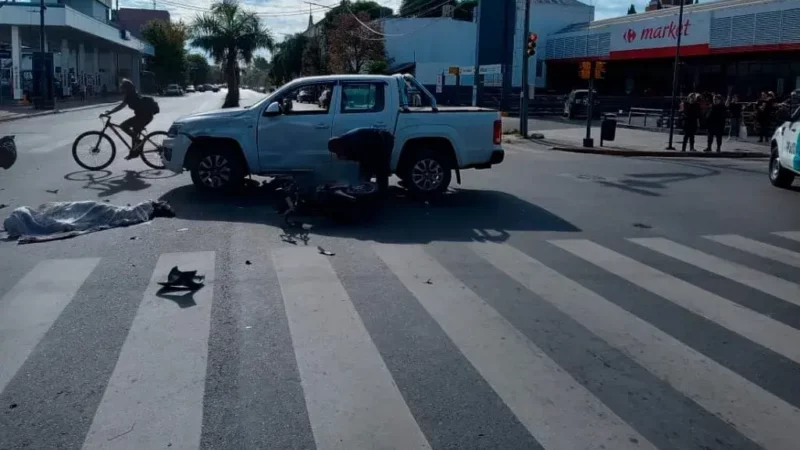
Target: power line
287,13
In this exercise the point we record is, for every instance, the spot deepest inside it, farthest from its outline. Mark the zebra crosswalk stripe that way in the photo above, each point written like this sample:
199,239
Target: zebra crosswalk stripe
155,394
757,248
769,284
763,330
557,410
351,397
793,235
760,415
33,305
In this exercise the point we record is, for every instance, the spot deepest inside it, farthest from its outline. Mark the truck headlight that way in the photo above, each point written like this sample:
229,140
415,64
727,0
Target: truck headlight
173,130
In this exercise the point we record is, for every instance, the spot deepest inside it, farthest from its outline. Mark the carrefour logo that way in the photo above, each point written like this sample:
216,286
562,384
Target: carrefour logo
669,31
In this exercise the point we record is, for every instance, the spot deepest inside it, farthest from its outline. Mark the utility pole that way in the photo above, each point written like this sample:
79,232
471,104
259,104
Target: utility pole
523,97
588,142
675,76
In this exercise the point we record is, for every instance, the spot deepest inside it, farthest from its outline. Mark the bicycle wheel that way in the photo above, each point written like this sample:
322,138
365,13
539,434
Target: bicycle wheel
90,146
152,148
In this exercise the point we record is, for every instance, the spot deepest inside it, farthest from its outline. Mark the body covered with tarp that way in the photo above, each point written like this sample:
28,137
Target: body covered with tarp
59,220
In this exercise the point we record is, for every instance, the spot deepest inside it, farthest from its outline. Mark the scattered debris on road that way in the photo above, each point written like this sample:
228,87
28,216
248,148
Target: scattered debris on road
247,262
322,251
181,230
642,225
178,279
429,281
64,220
133,238
3,205
52,191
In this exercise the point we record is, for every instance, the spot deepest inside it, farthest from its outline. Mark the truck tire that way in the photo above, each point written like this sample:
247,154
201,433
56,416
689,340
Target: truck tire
779,176
427,172
218,169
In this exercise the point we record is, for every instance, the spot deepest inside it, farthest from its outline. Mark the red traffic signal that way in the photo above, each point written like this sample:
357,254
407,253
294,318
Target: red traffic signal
531,50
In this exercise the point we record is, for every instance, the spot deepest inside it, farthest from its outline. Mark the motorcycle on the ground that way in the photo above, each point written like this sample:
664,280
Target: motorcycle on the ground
8,152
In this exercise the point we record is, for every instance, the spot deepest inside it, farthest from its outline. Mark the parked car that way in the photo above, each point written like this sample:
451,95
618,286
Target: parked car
215,88
201,87
305,96
220,148
173,89
577,102
190,88
784,162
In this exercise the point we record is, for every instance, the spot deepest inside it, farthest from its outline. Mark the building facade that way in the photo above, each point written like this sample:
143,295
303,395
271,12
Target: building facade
90,52
730,46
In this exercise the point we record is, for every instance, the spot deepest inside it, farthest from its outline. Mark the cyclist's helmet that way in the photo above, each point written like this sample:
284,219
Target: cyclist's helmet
8,152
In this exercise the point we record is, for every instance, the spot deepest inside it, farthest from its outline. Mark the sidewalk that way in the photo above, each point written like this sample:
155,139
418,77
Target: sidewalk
633,142
15,112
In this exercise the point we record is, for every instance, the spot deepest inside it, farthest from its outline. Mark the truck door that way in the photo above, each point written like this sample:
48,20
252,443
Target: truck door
297,139
363,105
788,150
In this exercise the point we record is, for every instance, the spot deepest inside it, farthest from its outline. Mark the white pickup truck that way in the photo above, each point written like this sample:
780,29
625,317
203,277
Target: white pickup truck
280,135
784,162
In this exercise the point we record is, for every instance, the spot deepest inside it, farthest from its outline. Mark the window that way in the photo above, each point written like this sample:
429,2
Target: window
362,98
307,99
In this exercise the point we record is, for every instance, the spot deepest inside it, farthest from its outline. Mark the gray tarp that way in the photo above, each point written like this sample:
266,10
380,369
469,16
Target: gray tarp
60,220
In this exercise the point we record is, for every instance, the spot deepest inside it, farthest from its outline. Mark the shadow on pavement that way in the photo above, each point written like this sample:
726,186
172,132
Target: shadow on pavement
108,185
460,215
649,184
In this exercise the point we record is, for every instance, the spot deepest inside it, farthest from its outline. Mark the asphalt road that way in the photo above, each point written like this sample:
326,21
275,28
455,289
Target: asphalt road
557,301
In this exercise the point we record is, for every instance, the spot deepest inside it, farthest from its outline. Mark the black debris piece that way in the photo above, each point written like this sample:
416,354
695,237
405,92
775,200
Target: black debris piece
642,225
133,238
178,279
322,251
3,205
429,281
248,262
53,191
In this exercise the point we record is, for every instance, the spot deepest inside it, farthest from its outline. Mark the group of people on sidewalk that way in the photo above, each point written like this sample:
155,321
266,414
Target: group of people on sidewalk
716,114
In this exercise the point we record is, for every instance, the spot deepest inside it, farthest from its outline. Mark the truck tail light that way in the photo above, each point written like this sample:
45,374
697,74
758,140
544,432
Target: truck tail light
498,132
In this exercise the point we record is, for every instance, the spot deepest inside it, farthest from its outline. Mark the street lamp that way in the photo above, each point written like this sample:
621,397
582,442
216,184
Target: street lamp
675,73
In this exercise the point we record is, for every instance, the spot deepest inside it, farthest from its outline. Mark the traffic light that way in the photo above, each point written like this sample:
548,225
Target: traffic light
599,70
531,50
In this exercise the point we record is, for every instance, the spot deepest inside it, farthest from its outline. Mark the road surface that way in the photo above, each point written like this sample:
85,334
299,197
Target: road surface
557,301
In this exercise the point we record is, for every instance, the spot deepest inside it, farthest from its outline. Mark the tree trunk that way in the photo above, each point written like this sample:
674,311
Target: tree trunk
232,98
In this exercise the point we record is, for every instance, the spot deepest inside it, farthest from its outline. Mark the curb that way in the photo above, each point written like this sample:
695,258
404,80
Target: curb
55,111
658,154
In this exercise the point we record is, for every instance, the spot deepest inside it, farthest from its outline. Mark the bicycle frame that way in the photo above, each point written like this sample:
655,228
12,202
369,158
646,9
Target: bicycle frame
116,129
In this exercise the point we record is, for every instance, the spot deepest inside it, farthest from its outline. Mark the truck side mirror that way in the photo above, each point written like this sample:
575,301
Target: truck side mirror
274,109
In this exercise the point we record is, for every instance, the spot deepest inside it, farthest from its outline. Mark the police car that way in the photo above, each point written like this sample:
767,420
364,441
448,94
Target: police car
784,162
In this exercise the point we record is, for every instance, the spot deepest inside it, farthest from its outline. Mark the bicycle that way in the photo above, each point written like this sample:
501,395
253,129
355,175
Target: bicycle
150,156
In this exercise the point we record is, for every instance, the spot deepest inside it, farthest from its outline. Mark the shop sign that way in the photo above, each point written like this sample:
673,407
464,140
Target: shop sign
661,32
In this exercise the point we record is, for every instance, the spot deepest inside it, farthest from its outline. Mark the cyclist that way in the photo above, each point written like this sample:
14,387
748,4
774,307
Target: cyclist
143,112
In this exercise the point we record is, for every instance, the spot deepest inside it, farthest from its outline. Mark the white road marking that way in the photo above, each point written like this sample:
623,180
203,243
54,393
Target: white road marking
155,395
763,330
31,307
557,410
772,285
351,397
793,235
758,414
758,248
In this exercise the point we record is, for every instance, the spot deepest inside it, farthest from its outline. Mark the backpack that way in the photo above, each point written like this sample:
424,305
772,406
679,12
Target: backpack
150,105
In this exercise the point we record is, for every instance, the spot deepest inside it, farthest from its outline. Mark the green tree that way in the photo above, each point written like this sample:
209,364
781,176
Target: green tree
353,48
230,34
261,63
632,9
168,39
287,62
198,69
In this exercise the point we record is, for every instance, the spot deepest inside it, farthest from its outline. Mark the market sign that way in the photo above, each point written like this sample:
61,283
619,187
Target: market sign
661,32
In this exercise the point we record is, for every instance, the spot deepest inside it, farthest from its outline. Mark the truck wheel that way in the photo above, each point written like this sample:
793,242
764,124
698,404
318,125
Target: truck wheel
427,173
218,170
779,176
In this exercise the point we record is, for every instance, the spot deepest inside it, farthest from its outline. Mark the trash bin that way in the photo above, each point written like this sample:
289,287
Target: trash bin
608,128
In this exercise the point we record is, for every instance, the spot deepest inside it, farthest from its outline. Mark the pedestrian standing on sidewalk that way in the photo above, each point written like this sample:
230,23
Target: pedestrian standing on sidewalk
735,110
763,116
691,117
715,122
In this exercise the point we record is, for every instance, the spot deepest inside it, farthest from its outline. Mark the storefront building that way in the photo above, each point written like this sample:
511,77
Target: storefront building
734,46
90,53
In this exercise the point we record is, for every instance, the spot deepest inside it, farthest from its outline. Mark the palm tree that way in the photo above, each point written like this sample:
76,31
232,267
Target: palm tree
230,34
